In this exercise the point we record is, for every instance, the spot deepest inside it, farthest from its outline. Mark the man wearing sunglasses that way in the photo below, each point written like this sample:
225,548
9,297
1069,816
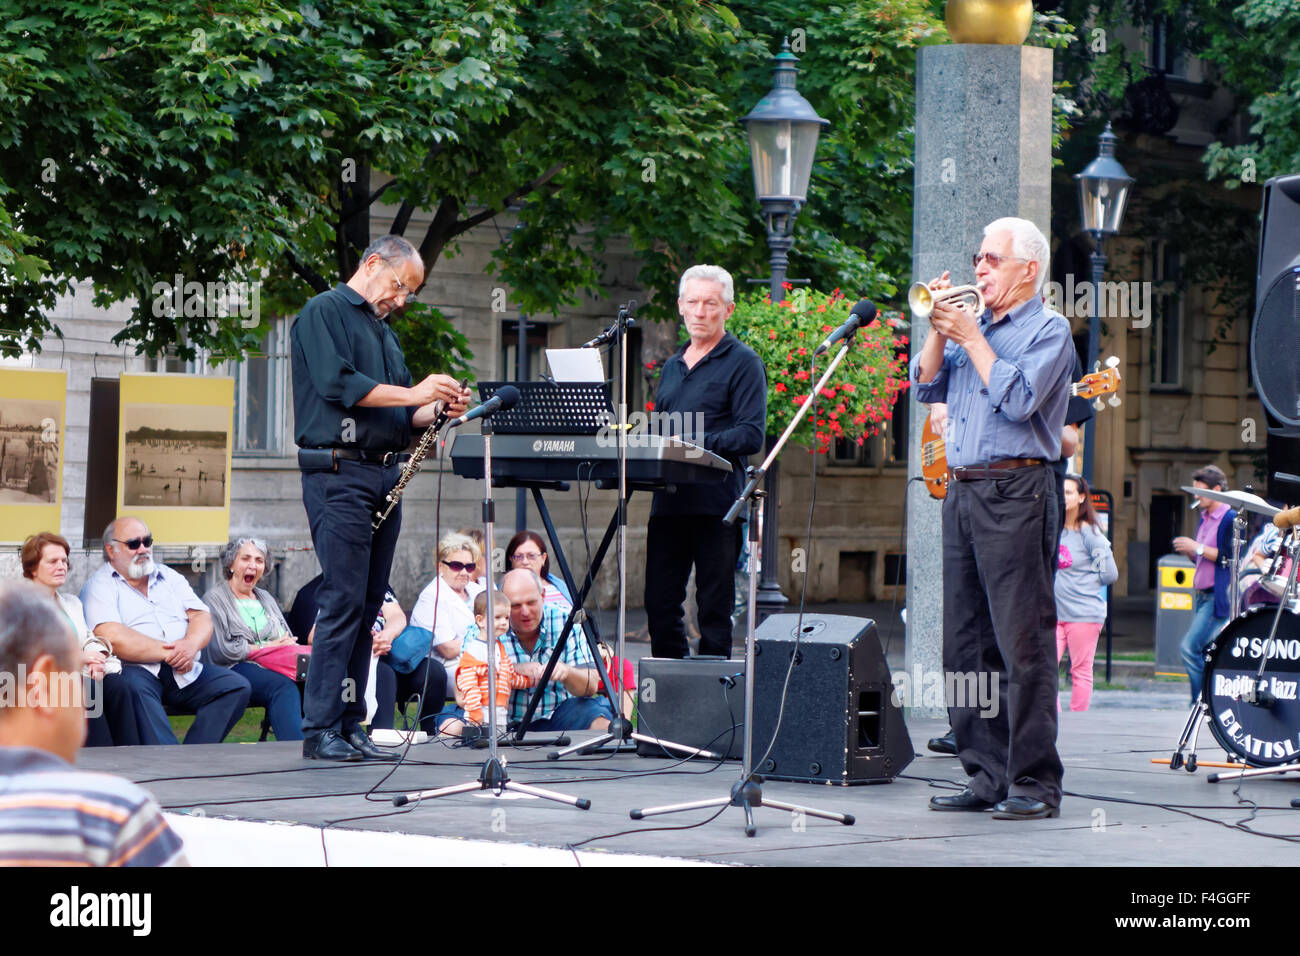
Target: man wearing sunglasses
1005,377
355,406
158,627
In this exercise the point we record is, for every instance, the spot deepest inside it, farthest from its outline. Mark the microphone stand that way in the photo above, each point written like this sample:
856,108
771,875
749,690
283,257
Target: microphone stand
620,732
747,792
493,776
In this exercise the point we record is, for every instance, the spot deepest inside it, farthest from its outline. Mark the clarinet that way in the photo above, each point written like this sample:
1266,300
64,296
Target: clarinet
413,466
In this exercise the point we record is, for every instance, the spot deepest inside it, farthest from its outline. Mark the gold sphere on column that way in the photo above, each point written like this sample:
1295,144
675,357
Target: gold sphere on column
989,21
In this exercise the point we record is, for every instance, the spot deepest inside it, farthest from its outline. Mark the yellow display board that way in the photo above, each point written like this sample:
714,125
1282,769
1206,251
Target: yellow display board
32,416
173,453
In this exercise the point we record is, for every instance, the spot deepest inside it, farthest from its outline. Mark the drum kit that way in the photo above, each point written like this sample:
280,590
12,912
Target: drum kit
1252,667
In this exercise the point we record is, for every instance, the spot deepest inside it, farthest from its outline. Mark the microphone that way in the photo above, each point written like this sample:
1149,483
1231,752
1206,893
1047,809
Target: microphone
608,335
506,397
864,311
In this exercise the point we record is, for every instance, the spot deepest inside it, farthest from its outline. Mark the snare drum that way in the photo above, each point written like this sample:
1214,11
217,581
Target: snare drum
1262,734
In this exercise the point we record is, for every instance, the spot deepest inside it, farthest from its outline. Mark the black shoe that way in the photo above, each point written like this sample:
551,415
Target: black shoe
947,744
966,800
329,746
1024,808
366,747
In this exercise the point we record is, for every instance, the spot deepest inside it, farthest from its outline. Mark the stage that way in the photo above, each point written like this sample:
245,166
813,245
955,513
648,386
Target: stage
1119,810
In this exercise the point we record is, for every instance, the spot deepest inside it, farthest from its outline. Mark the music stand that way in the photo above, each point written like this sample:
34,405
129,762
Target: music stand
493,776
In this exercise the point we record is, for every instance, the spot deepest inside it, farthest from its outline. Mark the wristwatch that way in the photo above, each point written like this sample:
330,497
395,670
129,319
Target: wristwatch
1200,550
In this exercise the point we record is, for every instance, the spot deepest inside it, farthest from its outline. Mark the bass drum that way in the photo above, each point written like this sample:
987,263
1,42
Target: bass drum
1262,734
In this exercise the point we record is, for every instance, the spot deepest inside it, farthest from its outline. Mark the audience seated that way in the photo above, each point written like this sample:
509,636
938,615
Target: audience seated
572,700
444,607
52,814
527,550
158,626
252,638
110,719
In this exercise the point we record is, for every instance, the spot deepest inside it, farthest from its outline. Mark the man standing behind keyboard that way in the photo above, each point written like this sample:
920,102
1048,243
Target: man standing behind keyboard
1005,376
717,381
354,407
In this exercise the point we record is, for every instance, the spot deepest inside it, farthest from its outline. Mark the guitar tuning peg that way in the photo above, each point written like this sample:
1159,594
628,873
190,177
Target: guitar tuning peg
1112,362
1114,401
1099,404
1096,367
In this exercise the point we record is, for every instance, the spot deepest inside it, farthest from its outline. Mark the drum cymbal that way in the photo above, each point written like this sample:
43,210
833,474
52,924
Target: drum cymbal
1237,499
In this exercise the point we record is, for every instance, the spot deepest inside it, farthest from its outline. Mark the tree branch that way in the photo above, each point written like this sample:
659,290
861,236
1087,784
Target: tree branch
307,273
486,214
402,219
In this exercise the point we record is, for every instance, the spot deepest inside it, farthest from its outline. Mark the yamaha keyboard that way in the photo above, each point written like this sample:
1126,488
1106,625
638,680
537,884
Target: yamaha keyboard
652,460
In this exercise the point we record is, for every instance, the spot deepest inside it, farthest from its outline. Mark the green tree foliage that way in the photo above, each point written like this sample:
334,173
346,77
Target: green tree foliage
149,139
1250,50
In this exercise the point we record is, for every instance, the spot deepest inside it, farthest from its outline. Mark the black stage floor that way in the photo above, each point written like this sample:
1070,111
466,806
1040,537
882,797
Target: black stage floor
1120,809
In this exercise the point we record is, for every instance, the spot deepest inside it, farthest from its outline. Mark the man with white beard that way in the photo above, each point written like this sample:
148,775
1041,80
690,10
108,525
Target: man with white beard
158,626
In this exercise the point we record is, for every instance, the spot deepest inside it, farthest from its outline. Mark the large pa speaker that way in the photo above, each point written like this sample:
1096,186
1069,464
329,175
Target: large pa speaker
1276,329
840,723
697,702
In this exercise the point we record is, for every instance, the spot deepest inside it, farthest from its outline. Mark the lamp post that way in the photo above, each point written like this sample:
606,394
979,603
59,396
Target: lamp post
1103,194
783,130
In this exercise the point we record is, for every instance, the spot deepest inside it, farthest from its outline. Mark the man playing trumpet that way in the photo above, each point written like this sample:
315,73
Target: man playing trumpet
1004,375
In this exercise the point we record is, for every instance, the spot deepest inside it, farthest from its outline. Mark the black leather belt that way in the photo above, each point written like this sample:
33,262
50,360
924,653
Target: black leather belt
991,469
384,458
326,459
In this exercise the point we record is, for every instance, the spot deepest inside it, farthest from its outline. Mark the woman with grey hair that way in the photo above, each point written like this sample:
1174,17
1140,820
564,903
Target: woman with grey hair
246,623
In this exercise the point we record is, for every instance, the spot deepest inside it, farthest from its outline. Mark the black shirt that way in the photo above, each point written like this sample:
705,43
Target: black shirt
729,388
341,351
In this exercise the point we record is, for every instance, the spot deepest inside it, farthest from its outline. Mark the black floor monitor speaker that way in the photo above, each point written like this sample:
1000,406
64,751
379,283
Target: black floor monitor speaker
698,702
841,724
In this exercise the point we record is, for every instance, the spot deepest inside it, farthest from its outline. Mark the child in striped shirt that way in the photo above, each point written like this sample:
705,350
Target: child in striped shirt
472,672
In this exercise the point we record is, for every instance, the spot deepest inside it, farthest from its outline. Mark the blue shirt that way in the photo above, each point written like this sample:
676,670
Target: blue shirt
576,654
1021,412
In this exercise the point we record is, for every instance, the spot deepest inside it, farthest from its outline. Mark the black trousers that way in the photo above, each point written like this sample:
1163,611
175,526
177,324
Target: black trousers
355,562
999,627
675,544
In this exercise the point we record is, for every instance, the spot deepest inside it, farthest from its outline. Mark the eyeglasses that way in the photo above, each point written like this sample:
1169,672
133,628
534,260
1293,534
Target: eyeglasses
994,259
402,287
526,555
134,543
459,566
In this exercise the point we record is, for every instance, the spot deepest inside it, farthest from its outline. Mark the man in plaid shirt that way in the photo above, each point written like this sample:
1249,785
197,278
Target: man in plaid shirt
572,700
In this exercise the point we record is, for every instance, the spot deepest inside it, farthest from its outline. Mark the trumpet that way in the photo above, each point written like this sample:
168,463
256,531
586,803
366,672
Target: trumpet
923,299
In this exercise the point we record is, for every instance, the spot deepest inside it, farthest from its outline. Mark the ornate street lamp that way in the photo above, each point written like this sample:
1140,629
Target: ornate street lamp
783,130
1103,194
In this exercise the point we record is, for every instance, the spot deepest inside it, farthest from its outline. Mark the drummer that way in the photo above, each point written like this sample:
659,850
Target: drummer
1211,549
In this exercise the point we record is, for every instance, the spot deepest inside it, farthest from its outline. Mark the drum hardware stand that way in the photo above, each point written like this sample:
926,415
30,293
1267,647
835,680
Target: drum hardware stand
1294,548
747,792
620,732
1185,753
494,775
